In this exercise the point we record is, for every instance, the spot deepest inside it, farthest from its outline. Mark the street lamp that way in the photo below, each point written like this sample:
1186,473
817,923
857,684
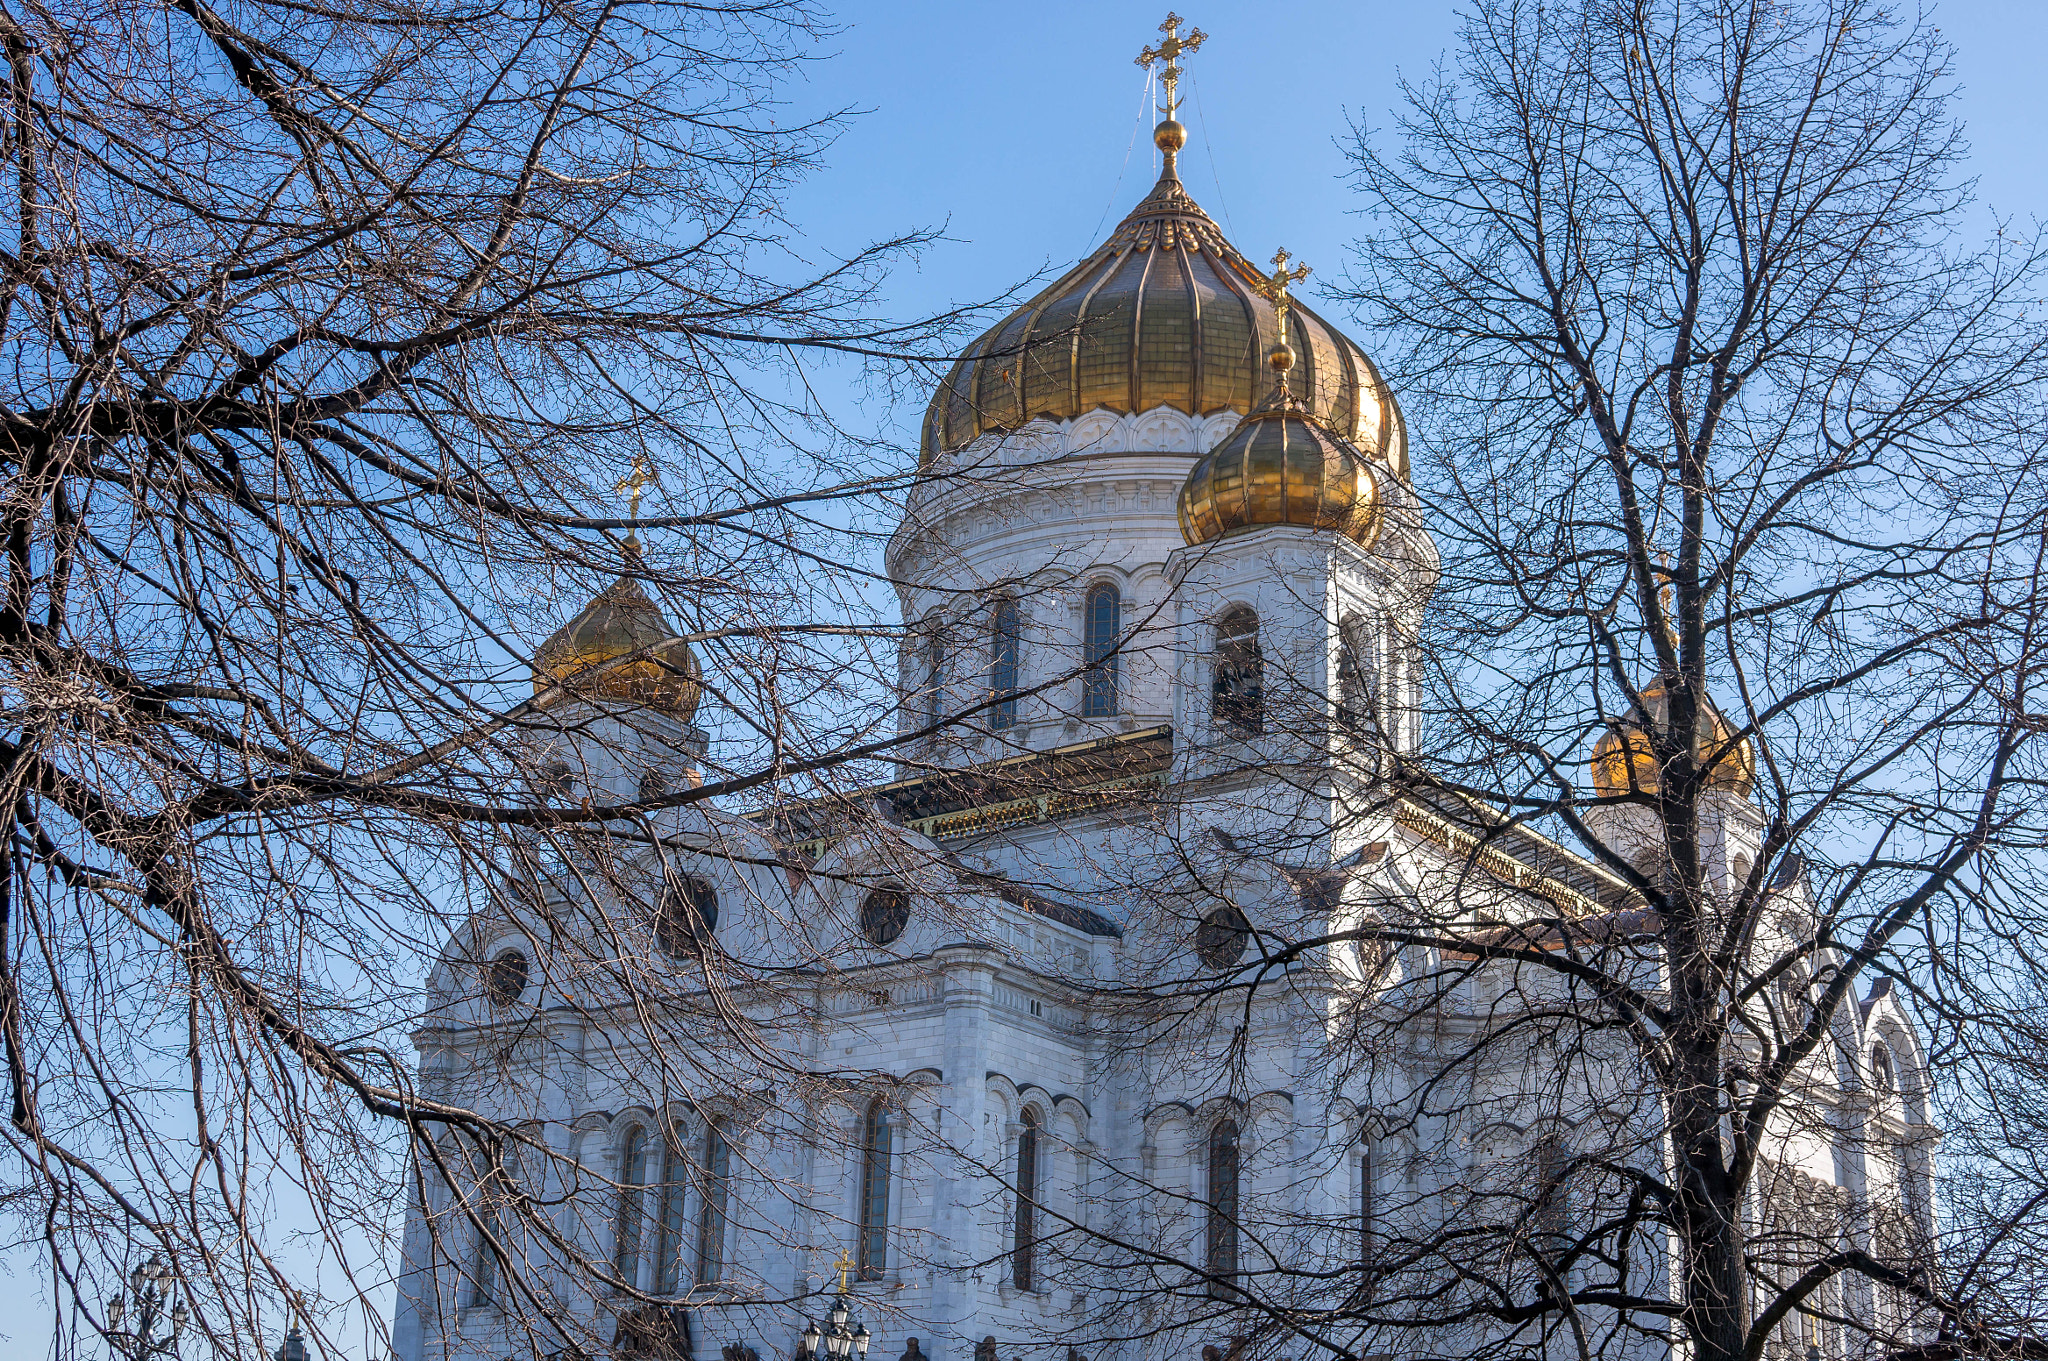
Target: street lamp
841,1341
152,1287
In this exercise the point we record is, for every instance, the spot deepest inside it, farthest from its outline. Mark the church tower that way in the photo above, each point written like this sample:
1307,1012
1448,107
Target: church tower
1036,561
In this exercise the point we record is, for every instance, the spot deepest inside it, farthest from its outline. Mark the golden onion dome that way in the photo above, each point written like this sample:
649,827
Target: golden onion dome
1623,762
1281,466
1165,313
619,623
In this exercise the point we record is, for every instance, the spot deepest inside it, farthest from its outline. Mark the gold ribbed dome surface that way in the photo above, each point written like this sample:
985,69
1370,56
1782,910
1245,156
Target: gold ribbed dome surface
1280,467
1164,313
1623,762
620,622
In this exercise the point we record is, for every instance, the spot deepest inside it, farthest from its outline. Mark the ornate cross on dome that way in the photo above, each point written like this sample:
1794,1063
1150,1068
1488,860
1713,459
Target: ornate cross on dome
634,484
1274,286
1170,52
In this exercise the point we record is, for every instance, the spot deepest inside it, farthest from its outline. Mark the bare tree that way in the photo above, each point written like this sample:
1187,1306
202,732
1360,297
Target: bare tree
330,329
1723,728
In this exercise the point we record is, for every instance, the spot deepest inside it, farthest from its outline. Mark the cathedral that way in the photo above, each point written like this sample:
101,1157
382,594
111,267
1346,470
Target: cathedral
1104,1029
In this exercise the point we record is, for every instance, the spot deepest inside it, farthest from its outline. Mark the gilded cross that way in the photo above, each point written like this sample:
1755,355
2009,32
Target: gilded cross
635,484
844,1266
1275,284
1170,51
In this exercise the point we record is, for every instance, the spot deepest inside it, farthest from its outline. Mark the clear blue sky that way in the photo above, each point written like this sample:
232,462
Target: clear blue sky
1010,124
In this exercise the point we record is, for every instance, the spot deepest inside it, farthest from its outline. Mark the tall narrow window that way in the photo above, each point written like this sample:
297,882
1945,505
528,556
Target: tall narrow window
1882,1078
934,678
1551,1217
1104,624
488,1235
711,1207
873,1257
669,1239
1023,1258
1368,1208
1239,690
1223,1202
1358,680
631,1226
1398,717
1005,639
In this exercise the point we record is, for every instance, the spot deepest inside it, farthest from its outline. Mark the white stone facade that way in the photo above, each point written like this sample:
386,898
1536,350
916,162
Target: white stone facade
985,1022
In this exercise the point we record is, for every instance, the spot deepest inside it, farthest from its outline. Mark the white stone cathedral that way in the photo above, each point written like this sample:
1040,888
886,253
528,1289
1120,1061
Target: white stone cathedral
1166,558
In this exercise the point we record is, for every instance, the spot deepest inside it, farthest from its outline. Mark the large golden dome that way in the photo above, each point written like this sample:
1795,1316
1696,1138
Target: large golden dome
1168,313
1623,762
1282,466
619,623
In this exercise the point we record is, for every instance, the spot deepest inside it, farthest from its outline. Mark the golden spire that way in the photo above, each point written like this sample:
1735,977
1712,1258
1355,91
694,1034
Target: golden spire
1170,136
1274,286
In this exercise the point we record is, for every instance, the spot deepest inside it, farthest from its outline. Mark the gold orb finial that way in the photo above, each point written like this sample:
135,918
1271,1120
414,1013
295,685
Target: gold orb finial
1170,136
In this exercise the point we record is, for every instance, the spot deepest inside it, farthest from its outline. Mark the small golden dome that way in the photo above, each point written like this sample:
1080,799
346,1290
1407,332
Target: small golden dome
1164,313
1281,466
1623,762
1170,135
620,622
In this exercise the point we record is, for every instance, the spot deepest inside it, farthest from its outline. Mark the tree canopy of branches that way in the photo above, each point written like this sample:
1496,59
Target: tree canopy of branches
1733,454
329,329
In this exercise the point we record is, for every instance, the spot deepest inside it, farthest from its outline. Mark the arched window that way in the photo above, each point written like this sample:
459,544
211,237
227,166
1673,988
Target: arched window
631,1226
711,1207
873,1256
1104,625
1238,692
1221,1258
1005,641
1024,1253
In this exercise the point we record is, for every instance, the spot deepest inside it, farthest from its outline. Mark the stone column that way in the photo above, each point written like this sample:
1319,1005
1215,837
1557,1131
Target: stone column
967,975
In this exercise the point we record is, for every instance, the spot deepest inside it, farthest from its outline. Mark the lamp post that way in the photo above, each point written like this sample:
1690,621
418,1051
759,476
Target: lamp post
152,1287
844,1338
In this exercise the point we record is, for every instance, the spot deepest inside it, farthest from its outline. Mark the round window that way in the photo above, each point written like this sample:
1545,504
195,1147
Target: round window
505,978
687,916
883,914
1222,936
